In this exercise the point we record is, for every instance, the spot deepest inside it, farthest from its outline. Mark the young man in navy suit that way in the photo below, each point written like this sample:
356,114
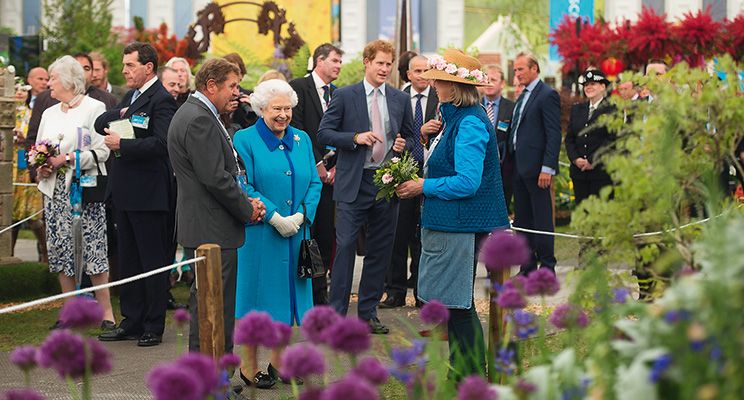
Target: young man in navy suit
368,123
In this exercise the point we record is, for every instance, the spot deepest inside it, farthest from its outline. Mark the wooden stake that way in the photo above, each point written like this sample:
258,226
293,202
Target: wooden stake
209,300
496,323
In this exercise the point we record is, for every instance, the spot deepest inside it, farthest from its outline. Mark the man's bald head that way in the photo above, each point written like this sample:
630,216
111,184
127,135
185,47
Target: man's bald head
37,78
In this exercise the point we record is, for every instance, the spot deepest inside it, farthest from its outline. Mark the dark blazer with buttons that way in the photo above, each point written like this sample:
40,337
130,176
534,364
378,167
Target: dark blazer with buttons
506,111
307,114
585,137
347,115
140,176
539,136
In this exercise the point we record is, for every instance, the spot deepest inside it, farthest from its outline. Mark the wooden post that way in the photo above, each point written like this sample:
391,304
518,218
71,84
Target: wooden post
496,323
209,300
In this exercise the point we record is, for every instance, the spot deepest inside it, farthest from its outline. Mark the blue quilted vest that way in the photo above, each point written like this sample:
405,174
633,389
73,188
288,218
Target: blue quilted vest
486,210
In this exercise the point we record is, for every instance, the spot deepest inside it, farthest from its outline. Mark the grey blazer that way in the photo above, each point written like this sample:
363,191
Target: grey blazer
211,208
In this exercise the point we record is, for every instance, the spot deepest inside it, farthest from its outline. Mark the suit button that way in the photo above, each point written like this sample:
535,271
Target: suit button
281,147
289,173
289,202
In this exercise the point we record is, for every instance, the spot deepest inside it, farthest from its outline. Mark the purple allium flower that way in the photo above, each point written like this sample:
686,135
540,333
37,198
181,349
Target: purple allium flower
503,250
302,360
229,361
256,329
475,388
504,361
316,321
182,316
311,393
372,370
201,367
22,394
100,361
349,335
660,366
284,334
171,382
620,295
674,316
350,388
524,387
568,316
434,313
405,356
524,324
542,282
511,298
80,312
63,351
24,357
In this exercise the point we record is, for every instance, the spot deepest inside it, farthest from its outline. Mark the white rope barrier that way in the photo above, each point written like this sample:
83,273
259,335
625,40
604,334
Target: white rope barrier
24,184
7,228
94,288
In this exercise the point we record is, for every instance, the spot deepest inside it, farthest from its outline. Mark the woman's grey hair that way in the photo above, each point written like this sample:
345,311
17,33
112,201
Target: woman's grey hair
267,90
69,73
174,60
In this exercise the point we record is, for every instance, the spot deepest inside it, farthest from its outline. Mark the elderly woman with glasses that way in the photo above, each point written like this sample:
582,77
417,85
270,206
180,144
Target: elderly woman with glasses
280,170
69,125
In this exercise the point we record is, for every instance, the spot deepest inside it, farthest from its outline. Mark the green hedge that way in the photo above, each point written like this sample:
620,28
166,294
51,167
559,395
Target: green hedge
26,281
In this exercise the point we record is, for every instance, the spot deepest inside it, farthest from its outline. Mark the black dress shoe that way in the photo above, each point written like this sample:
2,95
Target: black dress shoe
116,335
107,325
262,380
149,339
393,302
275,375
376,327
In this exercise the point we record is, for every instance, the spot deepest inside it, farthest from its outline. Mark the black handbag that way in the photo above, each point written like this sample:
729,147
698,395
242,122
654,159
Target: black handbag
310,263
97,193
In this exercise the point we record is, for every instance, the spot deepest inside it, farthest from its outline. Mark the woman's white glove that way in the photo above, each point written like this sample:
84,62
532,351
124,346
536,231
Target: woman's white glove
297,218
284,225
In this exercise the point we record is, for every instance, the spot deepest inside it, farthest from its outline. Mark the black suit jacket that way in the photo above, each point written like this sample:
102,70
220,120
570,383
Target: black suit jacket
307,114
431,104
584,137
506,110
140,177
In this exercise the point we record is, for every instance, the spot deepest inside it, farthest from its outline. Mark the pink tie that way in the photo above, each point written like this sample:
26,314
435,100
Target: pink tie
378,150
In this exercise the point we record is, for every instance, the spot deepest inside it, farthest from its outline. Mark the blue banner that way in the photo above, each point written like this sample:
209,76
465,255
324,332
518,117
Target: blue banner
575,8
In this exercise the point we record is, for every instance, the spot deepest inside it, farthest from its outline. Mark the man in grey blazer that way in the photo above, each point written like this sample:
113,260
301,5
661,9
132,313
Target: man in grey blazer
367,123
211,207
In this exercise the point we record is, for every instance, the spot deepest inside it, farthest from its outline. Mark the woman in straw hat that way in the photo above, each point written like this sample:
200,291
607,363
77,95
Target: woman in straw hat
463,202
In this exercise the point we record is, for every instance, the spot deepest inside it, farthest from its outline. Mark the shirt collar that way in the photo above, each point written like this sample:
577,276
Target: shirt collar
368,88
318,81
424,93
595,105
204,99
271,141
495,103
148,84
109,88
532,85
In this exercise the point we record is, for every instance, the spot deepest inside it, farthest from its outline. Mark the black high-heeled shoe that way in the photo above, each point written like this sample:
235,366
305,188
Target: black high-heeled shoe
262,380
275,374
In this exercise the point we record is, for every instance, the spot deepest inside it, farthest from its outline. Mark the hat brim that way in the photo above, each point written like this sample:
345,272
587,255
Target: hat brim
437,75
605,81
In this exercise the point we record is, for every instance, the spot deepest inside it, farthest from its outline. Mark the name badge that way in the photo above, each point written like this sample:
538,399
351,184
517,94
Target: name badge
502,126
88,181
140,121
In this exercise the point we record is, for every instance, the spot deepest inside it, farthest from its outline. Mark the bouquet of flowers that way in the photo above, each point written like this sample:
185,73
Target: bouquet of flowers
41,152
393,173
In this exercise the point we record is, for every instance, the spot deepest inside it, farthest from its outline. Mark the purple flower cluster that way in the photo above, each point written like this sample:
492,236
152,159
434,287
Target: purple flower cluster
302,360
524,324
22,394
674,316
193,376
229,361
511,298
65,352
620,295
568,316
503,250
256,329
410,362
284,334
504,361
476,388
542,282
434,313
659,366
349,335
316,321
24,357
82,313
311,393
372,370
523,388
350,388
182,317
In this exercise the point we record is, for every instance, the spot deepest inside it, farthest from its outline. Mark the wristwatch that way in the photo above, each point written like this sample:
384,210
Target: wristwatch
67,158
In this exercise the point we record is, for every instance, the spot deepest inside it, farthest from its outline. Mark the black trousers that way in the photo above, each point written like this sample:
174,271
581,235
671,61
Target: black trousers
533,209
143,240
324,232
583,188
407,239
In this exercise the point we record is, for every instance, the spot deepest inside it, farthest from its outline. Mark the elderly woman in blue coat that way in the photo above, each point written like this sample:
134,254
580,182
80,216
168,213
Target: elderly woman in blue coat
463,202
280,170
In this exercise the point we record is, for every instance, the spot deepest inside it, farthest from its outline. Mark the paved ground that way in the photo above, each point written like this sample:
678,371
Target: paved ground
131,363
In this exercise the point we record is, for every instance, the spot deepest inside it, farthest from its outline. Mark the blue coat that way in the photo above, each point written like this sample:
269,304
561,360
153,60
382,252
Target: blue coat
282,174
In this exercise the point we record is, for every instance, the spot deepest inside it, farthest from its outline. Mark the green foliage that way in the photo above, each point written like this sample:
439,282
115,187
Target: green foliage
352,72
26,281
298,63
6,30
76,26
530,16
394,172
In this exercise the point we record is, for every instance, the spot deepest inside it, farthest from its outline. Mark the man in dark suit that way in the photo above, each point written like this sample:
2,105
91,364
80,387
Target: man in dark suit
140,186
535,142
500,110
367,123
207,169
99,76
424,102
313,96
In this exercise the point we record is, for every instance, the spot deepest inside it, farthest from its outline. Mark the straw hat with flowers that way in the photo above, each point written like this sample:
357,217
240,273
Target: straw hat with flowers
456,66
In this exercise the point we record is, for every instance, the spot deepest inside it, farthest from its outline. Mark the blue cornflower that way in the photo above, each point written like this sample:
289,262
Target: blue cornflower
505,361
524,323
674,316
409,361
660,366
620,295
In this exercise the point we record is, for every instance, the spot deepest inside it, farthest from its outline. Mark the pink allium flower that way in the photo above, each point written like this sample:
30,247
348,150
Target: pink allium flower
542,282
100,360
434,313
316,321
24,357
63,351
350,388
511,298
229,361
302,360
181,316
311,393
284,333
502,250
387,178
349,335
475,388
256,329
171,382
372,370
80,312
203,368
568,316
22,394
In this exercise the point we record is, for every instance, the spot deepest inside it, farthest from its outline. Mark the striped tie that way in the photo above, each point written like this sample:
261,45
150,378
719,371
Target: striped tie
489,111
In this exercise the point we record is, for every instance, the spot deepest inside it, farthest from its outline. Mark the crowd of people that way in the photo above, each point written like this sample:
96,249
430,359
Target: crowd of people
199,159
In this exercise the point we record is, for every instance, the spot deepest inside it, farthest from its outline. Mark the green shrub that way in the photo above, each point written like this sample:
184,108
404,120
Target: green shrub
26,281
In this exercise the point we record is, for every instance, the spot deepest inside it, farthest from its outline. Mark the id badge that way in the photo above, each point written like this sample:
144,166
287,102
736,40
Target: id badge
242,181
88,181
502,126
140,121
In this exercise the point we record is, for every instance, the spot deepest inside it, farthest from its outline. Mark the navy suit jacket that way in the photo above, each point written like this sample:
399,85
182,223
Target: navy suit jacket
140,178
539,133
346,116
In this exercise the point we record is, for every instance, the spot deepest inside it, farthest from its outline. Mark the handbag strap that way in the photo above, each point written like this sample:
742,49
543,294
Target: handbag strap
95,158
304,215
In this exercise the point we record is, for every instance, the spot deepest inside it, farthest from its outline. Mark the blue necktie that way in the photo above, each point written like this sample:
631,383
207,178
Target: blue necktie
418,122
515,120
135,95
